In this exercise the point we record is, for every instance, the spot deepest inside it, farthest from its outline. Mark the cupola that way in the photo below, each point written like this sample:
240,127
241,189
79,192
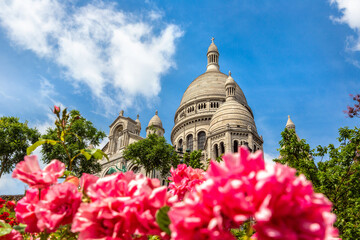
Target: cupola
212,57
230,87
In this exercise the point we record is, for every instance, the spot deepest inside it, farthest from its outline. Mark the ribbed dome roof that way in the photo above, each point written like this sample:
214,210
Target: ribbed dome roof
155,121
233,113
210,84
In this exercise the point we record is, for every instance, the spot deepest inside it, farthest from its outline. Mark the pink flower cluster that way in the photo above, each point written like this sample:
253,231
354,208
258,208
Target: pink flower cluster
46,205
184,179
282,205
207,204
122,206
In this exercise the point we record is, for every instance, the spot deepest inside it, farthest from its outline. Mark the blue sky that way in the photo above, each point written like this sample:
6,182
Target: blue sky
298,58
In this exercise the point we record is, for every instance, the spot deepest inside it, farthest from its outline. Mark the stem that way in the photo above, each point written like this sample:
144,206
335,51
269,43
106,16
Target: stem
67,152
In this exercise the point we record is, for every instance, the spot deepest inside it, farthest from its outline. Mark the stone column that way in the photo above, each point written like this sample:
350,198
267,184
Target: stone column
228,139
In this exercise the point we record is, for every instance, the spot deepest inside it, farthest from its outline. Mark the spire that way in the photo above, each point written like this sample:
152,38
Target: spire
156,112
290,124
230,87
212,57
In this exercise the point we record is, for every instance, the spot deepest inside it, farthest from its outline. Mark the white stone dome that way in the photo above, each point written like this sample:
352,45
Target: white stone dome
209,85
234,114
155,121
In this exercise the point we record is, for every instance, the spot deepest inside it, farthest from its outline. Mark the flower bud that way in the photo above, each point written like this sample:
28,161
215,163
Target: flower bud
56,109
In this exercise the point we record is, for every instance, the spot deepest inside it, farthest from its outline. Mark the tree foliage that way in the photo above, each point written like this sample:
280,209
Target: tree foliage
193,159
75,135
15,138
336,175
152,153
297,154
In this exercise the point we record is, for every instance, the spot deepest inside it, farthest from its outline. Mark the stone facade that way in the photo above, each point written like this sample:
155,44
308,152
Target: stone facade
213,116
124,131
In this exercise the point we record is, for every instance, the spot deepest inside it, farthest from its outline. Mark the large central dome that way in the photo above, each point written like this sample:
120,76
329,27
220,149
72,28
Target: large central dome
210,84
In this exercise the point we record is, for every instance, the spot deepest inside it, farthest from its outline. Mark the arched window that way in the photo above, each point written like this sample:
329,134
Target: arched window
201,140
189,142
222,148
236,146
216,151
180,145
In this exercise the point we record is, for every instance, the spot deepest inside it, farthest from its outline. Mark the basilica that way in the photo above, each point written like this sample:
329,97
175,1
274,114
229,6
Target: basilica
213,116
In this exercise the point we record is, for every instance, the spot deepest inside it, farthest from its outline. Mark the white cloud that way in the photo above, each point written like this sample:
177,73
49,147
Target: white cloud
117,55
269,158
350,14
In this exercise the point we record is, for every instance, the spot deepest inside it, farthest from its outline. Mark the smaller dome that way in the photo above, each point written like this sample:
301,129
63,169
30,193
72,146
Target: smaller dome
212,47
230,80
233,113
155,121
290,124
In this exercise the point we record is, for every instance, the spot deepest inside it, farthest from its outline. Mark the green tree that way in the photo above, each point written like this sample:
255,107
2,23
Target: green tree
73,134
152,153
339,177
336,174
297,154
193,159
15,138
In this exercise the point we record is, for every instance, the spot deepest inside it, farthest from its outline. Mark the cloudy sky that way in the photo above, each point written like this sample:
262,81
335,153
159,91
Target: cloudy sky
298,58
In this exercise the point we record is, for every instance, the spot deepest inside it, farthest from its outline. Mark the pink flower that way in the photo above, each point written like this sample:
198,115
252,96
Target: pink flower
123,204
287,207
223,201
26,209
199,216
58,207
56,109
184,179
29,172
87,180
13,235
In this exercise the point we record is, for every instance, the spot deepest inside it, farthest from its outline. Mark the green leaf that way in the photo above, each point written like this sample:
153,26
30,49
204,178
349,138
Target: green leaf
77,136
4,228
163,219
62,136
30,149
86,154
96,153
67,173
20,228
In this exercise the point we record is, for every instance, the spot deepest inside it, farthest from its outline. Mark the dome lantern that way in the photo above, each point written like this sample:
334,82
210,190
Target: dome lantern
212,57
230,87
